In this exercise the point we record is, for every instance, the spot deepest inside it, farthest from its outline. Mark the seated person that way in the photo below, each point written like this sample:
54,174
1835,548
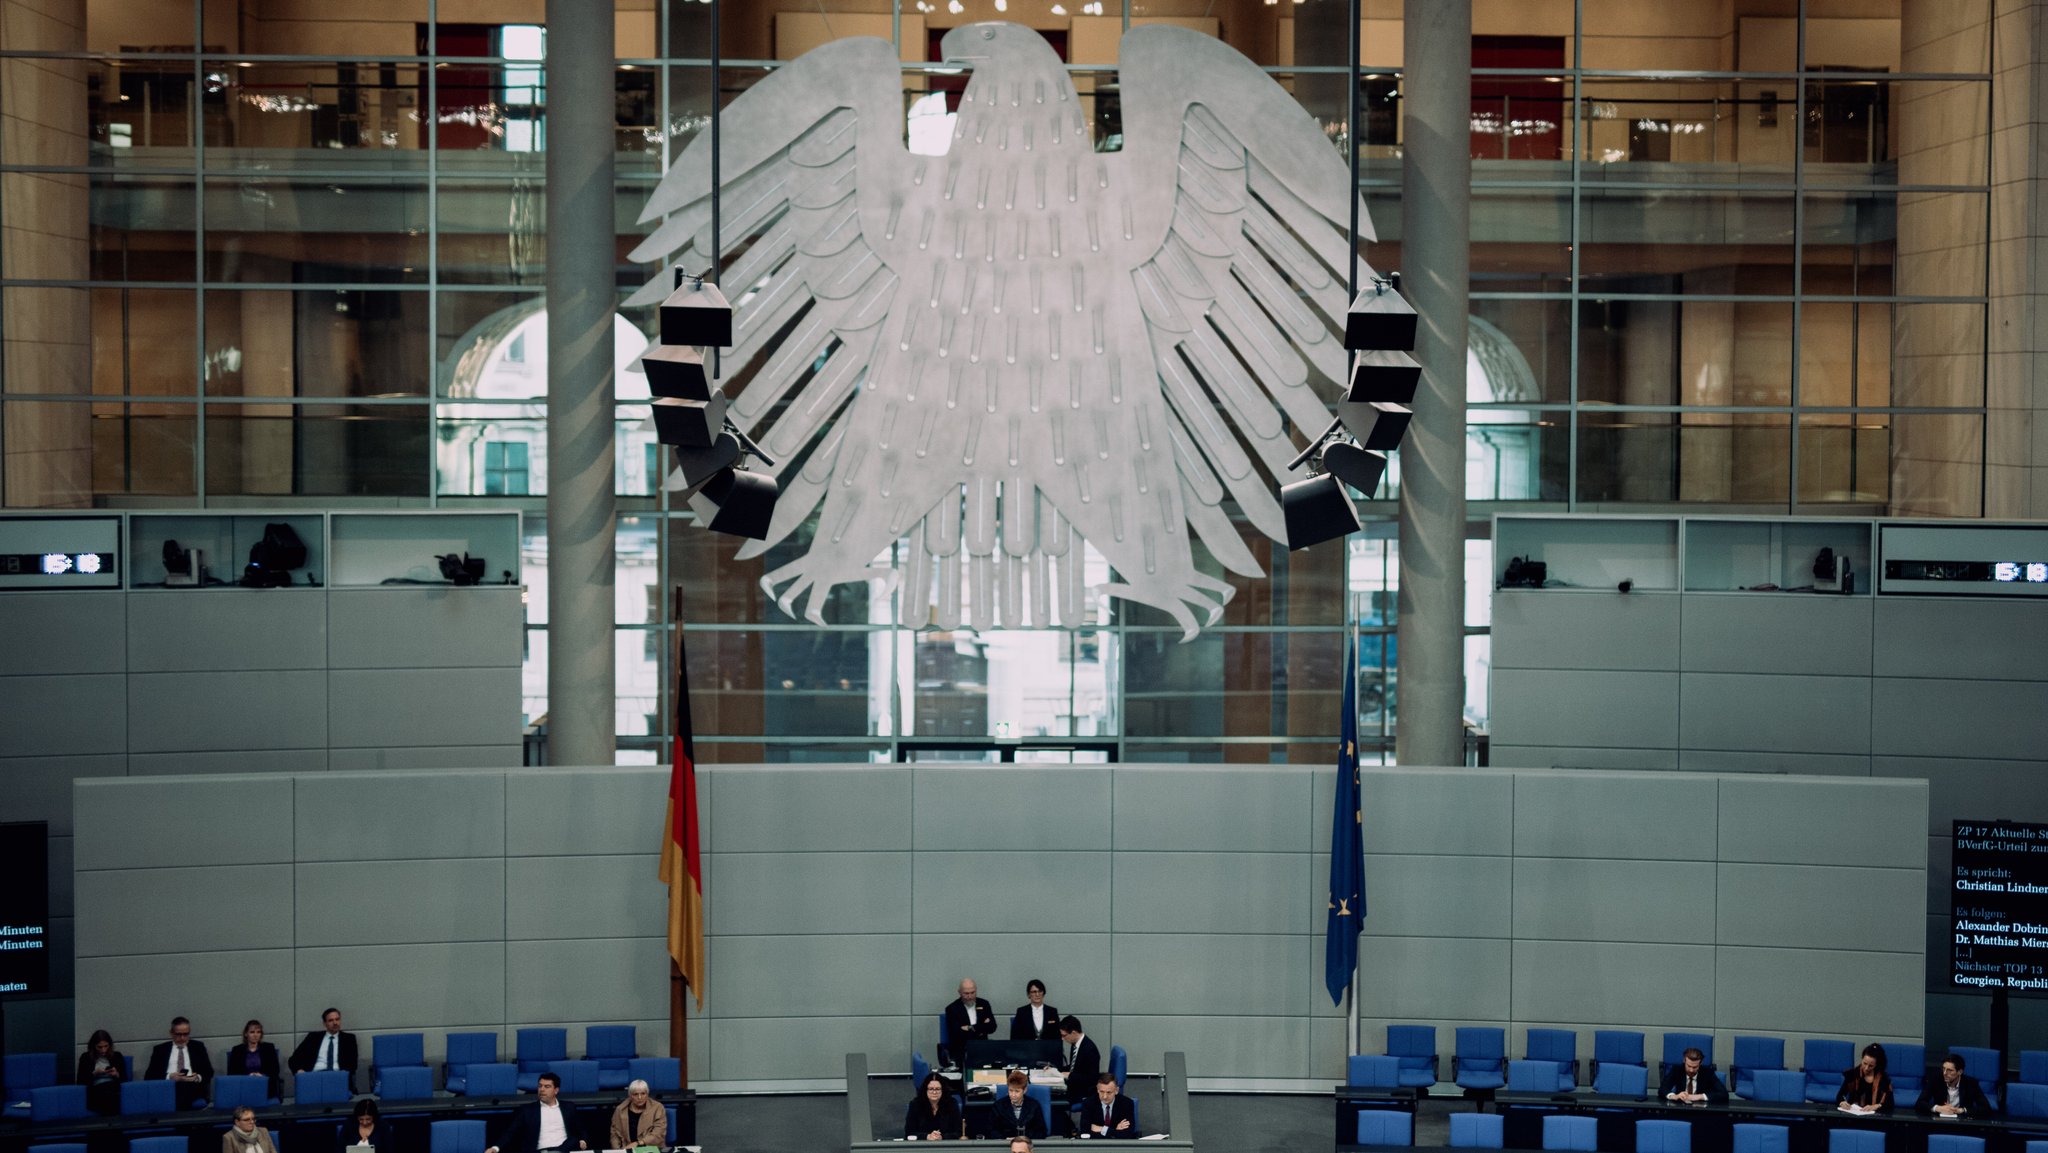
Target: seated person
365,1126
1688,1083
1957,1094
101,1071
326,1049
1035,1020
183,1060
932,1116
1866,1086
1014,1113
253,1057
639,1119
1108,1113
967,1019
1020,1144
549,1123
245,1136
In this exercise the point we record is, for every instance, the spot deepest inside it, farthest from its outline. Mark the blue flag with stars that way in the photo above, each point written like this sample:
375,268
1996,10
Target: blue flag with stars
1347,848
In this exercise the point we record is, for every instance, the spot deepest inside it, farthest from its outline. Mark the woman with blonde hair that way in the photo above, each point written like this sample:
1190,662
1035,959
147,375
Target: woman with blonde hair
639,1119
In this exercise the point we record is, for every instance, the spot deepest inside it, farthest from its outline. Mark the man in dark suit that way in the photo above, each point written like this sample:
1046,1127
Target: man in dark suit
183,1060
1109,1113
967,1019
549,1123
1956,1094
327,1048
1690,1083
1084,1061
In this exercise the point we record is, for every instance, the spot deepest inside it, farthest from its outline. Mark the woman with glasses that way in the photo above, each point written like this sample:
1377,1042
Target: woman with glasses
245,1136
932,1116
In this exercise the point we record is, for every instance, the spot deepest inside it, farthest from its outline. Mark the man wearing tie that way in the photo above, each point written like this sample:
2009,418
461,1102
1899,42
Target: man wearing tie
326,1049
1690,1083
183,1060
1108,1113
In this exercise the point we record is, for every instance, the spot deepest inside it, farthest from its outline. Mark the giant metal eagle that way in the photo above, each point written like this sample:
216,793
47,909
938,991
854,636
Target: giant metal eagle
1024,344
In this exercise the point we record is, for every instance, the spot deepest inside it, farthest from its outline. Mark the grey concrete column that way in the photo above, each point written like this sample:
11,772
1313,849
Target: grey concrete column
1436,204
582,695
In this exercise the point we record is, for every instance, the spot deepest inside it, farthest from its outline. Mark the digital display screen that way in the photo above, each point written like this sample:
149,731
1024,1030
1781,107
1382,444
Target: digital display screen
1968,571
56,564
25,908
1999,907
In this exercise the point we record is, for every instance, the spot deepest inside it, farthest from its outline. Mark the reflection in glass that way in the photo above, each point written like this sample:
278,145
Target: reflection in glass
320,342
142,228
1937,464
1515,454
334,230
1845,458
317,450
1679,240
138,114
1693,352
1660,457
260,112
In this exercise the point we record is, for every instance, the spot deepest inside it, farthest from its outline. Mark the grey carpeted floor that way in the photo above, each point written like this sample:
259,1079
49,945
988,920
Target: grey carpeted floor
1225,1122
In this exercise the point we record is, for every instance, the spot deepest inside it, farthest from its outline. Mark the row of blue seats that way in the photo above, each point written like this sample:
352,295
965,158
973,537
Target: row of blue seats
1551,1064
1574,1134
443,1137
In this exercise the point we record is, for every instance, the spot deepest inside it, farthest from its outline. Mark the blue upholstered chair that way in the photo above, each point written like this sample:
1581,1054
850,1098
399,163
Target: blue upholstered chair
1751,1054
1663,1137
1907,1065
57,1103
1120,1068
1753,1138
1476,1131
2036,1147
1372,1071
327,1088
2033,1066
578,1077
1622,1080
1043,1096
612,1047
535,1049
1824,1062
919,1069
231,1093
665,1074
1954,1143
1571,1133
159,1144
1415,1047
1783,1085
464,1050
672,1130
141,1098
1617,1047
1534,1077
22,1073
1855,1141
492,1079
457,1136
407,1083
58,1148
1675,1045
1987,1066
395,1051
2024,1100
1480,1061
1385,1127
1561,1046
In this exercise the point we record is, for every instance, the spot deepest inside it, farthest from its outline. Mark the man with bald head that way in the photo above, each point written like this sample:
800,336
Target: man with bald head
967,1019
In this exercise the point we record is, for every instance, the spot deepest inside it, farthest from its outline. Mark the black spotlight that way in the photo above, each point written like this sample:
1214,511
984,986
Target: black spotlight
690,415
272,559
1317,509
1360,468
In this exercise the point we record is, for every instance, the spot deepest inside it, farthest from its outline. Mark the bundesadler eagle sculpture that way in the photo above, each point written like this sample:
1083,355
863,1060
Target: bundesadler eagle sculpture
1026,343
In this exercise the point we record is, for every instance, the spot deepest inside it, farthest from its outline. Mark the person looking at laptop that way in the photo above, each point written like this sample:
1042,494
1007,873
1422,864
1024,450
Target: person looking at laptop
364,1128
549,1123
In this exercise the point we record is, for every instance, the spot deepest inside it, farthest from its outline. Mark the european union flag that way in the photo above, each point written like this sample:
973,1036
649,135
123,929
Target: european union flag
1347,849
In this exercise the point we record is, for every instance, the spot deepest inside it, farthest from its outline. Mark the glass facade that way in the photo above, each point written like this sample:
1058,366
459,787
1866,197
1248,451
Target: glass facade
1726,257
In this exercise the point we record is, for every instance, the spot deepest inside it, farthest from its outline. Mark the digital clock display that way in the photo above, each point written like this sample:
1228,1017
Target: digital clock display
56,564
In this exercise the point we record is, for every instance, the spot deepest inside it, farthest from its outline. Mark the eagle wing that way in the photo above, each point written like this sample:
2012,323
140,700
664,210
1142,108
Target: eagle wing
814,177
1242,283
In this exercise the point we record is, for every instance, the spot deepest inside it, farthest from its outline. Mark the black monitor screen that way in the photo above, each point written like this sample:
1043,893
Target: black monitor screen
24,908
1999,907
1003,1054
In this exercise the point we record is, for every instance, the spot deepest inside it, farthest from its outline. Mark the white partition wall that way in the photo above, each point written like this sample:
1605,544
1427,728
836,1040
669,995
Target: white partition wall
1171,907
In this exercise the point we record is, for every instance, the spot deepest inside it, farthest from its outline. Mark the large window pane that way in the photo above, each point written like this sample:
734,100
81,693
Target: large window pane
1516,454
1937,464
1521,239
1845,352
320,342
1845,458
315,115
1694,352
139,113
1849,243
317,450
142,227
1686,241
1938,355
332,229
1662,457
1523,350
1687,131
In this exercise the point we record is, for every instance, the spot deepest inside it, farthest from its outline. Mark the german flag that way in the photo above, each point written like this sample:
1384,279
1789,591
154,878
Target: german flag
681,866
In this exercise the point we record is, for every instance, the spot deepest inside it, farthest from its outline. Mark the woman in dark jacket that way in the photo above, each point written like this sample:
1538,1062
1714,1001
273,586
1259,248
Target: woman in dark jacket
101,1070
253,1056
1867,1086
365,1127
932,1116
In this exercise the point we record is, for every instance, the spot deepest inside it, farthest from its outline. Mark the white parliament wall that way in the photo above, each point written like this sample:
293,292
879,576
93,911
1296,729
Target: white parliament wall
1171,907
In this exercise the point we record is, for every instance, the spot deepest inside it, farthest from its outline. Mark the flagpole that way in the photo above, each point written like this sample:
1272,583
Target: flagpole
1351,991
